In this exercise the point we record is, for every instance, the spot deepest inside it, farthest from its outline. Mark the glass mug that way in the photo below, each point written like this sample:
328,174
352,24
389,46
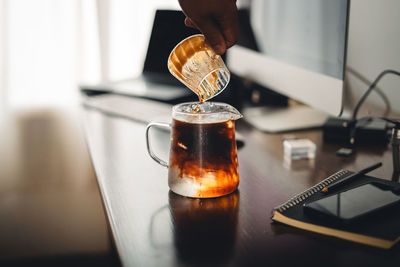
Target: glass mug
203,159
196,65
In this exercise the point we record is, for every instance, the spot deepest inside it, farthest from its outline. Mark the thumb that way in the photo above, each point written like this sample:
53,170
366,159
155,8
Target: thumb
189,23
213,36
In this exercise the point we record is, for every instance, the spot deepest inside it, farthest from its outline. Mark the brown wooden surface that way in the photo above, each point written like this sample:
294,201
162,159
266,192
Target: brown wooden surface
50,206
155,227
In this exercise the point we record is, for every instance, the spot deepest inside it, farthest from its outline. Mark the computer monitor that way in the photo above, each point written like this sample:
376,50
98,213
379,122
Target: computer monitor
302,52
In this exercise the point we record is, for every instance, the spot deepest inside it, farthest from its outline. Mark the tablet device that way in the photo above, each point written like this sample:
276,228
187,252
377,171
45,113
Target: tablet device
355,203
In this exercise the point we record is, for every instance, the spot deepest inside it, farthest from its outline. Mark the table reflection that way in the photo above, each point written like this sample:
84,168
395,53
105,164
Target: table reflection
204,229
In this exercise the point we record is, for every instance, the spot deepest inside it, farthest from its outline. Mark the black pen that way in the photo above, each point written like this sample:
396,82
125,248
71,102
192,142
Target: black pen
351,177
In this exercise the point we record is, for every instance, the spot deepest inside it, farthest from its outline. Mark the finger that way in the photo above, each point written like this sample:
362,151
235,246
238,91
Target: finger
213,35
189,23
228,24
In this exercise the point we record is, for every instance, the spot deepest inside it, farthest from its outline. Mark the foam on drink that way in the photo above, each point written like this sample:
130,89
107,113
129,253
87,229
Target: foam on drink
207,112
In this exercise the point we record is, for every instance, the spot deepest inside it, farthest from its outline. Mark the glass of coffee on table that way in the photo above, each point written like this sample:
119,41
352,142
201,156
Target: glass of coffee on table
203,159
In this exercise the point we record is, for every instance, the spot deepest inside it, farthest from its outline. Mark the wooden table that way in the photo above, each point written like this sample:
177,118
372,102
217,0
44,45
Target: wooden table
152,226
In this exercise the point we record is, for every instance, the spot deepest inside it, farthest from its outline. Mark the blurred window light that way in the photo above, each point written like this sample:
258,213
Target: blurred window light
42,55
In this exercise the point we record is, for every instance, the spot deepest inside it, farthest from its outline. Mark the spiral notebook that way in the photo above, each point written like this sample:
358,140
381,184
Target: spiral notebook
380,231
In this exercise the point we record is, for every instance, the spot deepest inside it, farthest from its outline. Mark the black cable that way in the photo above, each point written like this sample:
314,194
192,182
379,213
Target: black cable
394,121
378,90
353,122
371,87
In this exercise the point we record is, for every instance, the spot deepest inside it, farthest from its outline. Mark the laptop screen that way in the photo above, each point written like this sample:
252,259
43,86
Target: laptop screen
168,30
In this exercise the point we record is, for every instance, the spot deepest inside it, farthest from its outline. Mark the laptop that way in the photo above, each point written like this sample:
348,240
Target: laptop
168,30
156,82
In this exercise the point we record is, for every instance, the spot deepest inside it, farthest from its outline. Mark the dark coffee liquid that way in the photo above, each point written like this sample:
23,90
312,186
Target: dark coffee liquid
206,154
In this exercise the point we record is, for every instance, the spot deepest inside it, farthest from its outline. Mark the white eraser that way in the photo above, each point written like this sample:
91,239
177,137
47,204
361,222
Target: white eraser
299,149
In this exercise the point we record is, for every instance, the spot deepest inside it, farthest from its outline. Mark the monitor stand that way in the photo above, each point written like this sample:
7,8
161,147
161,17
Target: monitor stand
292,118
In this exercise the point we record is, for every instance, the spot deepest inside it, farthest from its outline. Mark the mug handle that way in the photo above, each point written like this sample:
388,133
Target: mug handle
151,153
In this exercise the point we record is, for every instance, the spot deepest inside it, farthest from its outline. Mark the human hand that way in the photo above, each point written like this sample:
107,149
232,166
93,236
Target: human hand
216,19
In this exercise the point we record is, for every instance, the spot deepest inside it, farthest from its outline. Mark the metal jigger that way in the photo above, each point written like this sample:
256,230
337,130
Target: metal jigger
396,153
